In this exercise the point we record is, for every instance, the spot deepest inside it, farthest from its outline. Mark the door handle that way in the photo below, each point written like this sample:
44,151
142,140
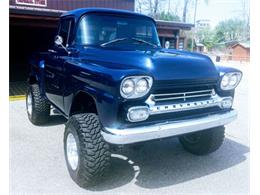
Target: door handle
52,51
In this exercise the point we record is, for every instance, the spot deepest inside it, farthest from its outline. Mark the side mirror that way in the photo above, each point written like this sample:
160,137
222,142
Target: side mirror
58,40
167,44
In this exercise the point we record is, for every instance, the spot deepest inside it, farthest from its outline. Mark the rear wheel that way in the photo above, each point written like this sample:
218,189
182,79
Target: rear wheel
203,142
87,154
38,107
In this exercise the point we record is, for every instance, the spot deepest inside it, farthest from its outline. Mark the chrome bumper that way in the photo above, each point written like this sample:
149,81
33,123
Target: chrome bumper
167,129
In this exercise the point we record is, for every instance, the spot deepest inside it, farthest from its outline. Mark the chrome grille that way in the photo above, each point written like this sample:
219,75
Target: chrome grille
183,96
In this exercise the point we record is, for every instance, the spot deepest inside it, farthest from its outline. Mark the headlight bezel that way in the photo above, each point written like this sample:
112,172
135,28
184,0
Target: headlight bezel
136,79
227,77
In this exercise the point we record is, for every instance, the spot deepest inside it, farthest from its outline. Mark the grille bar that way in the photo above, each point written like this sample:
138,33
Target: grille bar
188,92
183,95
215,101
185,106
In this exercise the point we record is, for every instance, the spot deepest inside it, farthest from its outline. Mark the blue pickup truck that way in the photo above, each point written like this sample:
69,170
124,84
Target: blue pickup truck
109,76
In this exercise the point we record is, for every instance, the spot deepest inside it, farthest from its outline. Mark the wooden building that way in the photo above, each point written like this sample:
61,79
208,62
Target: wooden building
58,5
240,52
174,32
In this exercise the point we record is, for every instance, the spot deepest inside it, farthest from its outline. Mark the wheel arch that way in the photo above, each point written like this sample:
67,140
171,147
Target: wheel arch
32,79
83,102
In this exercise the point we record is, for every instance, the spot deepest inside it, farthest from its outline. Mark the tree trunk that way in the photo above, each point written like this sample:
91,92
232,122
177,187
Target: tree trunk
185,9
155,9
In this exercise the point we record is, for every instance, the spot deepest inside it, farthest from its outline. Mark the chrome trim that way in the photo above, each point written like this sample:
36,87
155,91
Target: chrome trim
134,108
135,79
183,95
184,106
72,153
29,104
167,129
188,92
230,74
154,108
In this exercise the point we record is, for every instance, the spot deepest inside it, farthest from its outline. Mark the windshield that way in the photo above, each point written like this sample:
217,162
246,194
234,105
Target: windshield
99,30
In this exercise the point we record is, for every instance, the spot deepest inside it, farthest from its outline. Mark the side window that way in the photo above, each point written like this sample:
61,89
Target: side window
65,31
83,34
144,32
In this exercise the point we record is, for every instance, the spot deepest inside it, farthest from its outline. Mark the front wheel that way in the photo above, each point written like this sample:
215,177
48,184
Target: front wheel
203,142
87,154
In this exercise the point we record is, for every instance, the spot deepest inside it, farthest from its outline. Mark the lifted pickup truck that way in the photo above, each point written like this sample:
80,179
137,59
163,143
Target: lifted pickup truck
109,76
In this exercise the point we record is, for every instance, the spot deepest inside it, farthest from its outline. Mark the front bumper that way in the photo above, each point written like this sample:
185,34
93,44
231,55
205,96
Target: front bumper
167,129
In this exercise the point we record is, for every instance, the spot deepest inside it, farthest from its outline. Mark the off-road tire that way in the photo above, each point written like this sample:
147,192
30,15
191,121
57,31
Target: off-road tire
40,106
209,141
93,152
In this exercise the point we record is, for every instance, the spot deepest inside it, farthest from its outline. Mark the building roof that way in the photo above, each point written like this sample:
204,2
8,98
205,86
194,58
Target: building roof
230,43
34,11
173,24
199,44
203,20
243,44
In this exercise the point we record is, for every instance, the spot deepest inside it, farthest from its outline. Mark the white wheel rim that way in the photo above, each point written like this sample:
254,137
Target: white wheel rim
29,104
72,151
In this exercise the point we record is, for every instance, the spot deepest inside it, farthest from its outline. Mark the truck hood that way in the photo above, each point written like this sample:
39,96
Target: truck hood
161,64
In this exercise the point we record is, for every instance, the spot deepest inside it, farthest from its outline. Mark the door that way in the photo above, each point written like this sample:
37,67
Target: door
54,65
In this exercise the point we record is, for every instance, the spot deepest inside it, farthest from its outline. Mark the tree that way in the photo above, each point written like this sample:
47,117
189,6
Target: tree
151,7
174,7
230,30
139,6
168,16
245,12
186,8
206,37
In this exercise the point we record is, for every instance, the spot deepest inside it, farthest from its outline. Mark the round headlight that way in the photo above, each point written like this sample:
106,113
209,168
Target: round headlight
224,81
142,86
135,86
128,86
233,80
230,80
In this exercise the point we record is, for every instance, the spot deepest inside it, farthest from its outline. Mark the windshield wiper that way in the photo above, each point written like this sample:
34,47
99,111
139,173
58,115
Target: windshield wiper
143,41
125,38
113,41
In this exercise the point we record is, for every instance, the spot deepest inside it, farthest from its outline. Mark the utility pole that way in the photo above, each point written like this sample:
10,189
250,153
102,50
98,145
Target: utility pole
169,5
195,12
194,23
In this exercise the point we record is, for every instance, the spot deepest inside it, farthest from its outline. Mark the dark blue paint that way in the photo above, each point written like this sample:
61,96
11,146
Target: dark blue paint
99,72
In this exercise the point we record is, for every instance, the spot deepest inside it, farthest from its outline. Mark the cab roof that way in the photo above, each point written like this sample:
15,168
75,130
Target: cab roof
77,13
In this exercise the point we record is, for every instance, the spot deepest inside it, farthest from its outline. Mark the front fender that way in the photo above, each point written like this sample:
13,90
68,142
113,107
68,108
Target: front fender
221,71
225,69
100,82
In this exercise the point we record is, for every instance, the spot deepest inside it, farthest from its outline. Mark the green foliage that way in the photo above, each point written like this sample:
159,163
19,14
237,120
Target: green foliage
206,36
169,16
230,30
189,44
